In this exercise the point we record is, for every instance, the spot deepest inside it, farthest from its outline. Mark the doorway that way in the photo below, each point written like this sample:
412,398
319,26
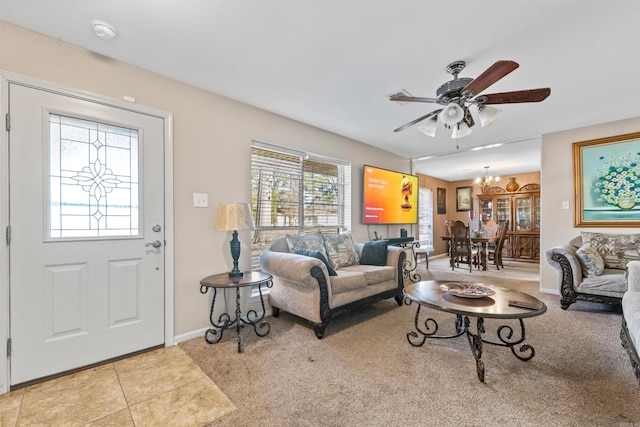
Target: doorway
86,230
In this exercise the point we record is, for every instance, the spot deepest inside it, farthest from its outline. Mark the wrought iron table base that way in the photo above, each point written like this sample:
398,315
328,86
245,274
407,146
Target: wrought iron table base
260,327
505,334
411,263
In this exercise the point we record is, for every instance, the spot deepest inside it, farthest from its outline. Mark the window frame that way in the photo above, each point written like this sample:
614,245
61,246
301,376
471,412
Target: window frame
265,234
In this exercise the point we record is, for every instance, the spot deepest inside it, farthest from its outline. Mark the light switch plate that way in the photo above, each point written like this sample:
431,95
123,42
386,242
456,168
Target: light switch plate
565,205
200,200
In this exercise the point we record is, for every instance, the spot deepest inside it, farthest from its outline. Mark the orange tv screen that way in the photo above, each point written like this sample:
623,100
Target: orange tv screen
389,197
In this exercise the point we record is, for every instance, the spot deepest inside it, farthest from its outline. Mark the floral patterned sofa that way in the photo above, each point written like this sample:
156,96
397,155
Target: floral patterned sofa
592,266
319,276
630,331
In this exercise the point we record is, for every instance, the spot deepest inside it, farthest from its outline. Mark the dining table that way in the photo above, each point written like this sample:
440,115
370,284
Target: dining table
483,242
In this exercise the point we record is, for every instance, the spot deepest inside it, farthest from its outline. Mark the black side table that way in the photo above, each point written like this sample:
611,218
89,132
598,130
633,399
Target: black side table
225,321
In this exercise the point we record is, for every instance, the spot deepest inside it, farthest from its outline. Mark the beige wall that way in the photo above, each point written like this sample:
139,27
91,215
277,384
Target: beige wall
440,246
557,186
212,138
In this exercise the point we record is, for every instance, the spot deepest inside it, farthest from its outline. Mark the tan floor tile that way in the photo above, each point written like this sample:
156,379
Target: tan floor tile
119,419
194,404
11,400
151,380
148,358
73,400
9,418
72,381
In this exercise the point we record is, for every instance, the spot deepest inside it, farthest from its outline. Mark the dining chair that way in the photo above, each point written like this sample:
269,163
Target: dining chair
492,228
462,250
495,251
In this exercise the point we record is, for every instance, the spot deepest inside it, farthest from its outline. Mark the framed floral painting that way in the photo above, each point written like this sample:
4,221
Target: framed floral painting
463,199
607,181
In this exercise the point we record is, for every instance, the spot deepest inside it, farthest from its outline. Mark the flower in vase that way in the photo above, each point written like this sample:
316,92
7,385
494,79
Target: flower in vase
617,181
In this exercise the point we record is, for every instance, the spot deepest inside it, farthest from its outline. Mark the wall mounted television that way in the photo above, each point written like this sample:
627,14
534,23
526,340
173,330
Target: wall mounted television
389,197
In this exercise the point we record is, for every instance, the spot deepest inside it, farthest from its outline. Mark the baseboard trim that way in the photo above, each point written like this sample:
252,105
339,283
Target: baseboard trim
190,335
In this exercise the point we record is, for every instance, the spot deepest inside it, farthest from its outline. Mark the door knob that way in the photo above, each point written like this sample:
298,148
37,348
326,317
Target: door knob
155,244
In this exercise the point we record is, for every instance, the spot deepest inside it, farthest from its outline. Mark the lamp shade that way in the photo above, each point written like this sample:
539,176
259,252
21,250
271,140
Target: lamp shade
451,114
460,130
487,115
234,216
428,127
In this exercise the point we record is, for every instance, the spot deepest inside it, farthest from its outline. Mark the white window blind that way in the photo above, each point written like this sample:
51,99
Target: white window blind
425,217
295,192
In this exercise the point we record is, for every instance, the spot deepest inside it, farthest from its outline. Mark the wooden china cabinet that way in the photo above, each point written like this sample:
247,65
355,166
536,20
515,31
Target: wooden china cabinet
522,209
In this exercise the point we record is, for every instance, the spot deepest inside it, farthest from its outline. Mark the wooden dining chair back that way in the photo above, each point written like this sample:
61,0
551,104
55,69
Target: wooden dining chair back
495,252
462,250
492,228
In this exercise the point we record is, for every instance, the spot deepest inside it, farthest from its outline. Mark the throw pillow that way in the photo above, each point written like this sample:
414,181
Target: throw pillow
311,242
374,253
591,260
616,249
320,256
341,250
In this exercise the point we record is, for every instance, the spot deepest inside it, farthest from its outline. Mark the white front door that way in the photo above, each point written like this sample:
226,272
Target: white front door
85,205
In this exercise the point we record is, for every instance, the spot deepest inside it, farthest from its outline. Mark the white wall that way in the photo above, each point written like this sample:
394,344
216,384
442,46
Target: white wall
556,182
212,140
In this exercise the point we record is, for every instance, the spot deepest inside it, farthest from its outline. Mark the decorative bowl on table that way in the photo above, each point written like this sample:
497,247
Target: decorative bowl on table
468,290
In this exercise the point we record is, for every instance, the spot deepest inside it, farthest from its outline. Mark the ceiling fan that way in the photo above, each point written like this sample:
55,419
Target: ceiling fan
460,93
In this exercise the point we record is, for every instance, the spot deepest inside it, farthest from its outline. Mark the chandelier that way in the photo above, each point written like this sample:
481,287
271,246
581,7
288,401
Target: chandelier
487,180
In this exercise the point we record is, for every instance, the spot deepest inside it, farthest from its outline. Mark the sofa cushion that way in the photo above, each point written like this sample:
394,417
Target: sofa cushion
616,249
611,282
340,249
374,253
320,256
591,260
373,274
347,281
312,242
576,242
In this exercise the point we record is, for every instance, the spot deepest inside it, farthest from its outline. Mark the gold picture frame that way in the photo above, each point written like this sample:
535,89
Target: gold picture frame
607,181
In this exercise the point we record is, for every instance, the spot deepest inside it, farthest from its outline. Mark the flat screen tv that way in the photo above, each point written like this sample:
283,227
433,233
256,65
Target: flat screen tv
389,197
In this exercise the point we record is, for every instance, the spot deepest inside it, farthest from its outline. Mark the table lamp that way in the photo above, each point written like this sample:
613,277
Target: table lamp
234,216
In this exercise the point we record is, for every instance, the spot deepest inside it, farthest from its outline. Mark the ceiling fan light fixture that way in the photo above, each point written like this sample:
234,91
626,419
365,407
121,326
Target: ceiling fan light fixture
460,130
428,127
451,114
487,114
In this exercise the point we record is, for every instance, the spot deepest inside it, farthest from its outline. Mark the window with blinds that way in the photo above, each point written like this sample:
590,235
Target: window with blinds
294,192
425,217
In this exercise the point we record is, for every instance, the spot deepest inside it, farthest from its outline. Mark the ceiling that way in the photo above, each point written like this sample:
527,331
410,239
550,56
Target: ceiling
333,63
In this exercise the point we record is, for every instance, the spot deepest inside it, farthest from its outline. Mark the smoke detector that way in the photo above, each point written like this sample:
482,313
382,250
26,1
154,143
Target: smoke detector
104,30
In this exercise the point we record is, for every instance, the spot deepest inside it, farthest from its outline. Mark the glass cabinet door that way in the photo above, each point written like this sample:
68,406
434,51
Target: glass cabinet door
503,210
523,213
536,208
486,210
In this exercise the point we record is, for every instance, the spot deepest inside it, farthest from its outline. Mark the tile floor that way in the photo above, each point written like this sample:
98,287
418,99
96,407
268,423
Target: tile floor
158,388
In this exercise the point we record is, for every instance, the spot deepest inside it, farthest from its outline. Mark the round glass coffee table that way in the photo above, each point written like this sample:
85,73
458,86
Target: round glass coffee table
478,300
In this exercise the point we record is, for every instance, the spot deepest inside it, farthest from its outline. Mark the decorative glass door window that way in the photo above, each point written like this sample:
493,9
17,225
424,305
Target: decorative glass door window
93,179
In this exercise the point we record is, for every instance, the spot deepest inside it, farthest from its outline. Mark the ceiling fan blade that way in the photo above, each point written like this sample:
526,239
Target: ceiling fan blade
489,77
530,95
403,98
419,119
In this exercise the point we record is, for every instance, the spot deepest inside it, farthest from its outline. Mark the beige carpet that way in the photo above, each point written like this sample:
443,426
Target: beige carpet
364,372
